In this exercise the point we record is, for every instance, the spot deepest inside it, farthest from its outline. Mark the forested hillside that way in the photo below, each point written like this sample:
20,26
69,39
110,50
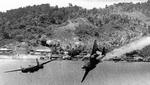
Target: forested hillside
112,26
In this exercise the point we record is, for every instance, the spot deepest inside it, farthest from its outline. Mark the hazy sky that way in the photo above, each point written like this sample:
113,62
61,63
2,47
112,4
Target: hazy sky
12,4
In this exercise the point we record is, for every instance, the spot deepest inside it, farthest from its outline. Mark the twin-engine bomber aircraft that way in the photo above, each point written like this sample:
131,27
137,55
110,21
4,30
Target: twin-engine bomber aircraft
93,60
31,69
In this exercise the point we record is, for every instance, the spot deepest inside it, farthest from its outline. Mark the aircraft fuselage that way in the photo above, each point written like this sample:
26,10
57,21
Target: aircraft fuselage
32,69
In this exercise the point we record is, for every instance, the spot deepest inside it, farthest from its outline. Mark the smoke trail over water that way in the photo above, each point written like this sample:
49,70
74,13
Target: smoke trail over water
135,45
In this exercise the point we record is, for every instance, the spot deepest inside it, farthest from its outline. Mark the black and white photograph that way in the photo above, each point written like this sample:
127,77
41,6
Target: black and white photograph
74,42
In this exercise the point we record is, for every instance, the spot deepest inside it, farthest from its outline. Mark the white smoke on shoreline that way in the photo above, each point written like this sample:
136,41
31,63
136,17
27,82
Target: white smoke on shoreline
135,45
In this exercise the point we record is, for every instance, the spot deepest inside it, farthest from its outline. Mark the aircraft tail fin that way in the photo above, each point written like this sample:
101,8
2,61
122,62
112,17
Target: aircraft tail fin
104,51
37,61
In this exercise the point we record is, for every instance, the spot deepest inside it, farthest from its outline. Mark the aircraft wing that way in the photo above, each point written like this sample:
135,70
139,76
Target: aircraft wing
13,70
85,74
95,47
48,61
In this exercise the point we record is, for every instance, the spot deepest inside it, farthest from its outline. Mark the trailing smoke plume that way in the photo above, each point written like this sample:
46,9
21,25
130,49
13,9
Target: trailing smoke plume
135,45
